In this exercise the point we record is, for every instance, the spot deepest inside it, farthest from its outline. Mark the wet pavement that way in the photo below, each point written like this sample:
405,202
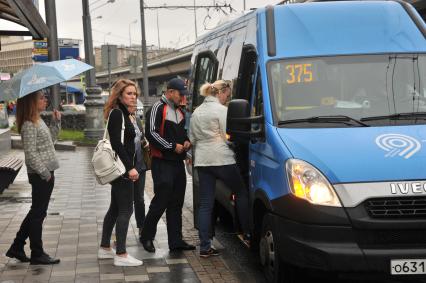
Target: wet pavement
72,232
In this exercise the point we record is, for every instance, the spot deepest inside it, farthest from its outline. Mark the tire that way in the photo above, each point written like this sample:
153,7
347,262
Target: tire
274,269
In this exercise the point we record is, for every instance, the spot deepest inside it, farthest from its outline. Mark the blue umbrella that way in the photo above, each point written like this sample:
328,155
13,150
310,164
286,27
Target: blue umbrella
41,76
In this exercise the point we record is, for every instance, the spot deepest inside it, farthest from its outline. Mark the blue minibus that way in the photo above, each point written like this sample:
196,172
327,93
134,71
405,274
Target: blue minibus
328,118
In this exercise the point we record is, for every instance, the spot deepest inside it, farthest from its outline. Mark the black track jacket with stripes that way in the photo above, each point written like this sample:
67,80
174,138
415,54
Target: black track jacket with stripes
164,128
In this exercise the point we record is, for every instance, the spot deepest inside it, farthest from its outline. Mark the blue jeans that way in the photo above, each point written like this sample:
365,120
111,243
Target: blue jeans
139,200
231,177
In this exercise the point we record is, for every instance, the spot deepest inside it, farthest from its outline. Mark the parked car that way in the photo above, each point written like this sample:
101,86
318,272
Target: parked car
74,107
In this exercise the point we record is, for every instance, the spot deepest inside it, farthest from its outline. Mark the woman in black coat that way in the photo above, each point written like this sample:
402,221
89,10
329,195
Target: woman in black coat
121,105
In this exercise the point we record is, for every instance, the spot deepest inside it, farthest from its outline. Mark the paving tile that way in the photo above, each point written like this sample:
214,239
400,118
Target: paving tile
157,269
87,270
61,273
14,272
137,278
111,276
176,260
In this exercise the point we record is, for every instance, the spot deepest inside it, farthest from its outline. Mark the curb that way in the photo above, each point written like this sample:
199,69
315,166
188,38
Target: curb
60,145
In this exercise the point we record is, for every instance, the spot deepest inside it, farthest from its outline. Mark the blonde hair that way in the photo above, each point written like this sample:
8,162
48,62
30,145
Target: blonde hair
214,88
26,109
116,91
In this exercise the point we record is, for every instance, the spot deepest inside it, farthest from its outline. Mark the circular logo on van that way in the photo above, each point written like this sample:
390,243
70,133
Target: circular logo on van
398,145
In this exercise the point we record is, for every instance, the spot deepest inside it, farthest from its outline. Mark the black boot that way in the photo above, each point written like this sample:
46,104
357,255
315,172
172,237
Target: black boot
19,254
148,245
44,259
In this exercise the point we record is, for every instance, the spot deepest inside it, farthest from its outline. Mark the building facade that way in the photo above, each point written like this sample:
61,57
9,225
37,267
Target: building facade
15,54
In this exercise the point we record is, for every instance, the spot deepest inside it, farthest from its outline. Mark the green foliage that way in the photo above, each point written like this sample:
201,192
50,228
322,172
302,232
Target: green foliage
75,136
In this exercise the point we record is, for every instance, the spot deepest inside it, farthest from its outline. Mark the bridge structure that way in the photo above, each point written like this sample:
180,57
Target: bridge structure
160,70
178,63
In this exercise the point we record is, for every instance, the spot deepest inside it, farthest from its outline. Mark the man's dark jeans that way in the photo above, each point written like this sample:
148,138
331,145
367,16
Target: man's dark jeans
231,177
33,223
139,199
169,179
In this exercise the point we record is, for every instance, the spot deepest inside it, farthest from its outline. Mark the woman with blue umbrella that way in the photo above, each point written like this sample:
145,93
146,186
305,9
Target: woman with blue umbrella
38,143
41,162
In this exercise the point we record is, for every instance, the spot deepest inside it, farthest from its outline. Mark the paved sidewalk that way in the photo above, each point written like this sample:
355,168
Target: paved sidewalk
72,232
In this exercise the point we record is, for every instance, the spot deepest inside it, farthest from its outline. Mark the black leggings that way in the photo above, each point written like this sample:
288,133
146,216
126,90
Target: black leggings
32,225
118,214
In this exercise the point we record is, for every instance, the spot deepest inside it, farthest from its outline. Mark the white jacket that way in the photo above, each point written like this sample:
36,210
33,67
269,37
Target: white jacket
208,134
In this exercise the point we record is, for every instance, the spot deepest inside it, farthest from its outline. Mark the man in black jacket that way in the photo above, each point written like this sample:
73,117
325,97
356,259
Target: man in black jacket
165,131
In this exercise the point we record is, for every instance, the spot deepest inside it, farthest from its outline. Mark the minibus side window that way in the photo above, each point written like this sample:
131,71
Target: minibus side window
246,73
257,108
258,99
206,71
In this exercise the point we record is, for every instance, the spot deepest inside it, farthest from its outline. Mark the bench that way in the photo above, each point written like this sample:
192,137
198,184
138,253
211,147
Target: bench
9,168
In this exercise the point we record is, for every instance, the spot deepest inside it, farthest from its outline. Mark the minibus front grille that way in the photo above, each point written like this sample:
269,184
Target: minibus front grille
396,208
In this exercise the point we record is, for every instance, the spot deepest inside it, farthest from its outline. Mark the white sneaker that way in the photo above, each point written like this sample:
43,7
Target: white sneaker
104,254
126,261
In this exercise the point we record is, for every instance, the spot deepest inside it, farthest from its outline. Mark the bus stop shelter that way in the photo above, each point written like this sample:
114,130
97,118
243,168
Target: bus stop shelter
24,13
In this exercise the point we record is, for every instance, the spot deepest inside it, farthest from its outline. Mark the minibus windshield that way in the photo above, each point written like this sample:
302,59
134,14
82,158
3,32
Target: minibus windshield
373,90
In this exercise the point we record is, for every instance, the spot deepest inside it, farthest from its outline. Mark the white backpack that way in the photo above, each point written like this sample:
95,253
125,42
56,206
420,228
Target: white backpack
106,163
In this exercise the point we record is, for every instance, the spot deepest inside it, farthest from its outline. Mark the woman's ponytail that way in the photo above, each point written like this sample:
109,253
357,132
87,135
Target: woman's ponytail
206,89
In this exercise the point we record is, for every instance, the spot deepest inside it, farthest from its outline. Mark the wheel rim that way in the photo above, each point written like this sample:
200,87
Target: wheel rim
267,253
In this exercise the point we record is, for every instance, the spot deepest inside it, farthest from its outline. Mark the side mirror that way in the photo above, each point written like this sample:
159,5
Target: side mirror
239,122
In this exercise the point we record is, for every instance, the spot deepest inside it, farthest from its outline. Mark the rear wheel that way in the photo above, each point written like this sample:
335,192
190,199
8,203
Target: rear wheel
274,269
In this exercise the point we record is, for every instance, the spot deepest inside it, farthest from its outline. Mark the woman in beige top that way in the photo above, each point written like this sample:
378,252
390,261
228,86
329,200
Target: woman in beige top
214,159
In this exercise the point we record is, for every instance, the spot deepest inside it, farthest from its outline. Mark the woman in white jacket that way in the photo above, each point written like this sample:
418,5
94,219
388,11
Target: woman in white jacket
214,160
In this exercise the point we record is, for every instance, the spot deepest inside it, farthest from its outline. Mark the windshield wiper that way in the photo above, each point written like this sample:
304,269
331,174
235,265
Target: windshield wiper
398,116
325,119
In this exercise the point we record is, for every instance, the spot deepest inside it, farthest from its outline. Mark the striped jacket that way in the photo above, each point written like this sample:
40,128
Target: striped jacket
164,128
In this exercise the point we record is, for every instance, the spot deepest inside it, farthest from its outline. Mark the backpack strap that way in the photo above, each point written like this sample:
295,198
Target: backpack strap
106,134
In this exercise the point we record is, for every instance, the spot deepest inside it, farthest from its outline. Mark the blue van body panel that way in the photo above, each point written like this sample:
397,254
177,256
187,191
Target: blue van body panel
361,154
346,27
263,57
267,166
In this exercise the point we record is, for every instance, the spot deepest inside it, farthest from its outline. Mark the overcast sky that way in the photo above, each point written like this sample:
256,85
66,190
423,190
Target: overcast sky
176,27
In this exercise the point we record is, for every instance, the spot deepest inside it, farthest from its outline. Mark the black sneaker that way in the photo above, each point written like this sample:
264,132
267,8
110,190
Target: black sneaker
209,252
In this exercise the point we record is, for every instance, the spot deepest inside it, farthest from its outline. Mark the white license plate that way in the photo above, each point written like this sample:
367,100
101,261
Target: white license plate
408,266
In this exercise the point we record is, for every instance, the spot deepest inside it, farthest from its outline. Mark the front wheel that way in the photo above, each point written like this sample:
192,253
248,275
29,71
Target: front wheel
274,269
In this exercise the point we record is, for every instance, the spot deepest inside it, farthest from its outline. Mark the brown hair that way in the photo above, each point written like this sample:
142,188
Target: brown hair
214,88
26,109
116,91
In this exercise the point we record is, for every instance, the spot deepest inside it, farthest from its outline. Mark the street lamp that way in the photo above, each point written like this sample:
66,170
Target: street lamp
130,35
90,4
109,1
97,18
94,127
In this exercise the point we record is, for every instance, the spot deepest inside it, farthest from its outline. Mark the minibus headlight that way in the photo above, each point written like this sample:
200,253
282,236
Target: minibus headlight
307,182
